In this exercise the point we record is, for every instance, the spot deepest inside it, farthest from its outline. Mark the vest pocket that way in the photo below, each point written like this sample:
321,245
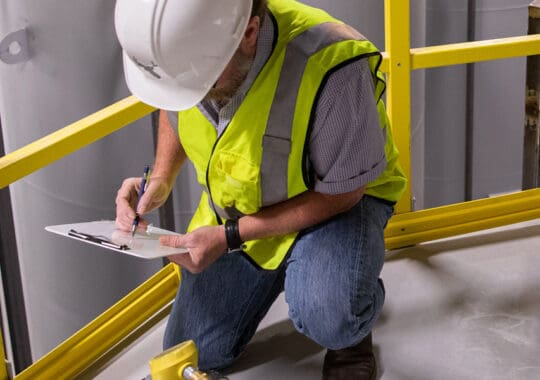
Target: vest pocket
234,182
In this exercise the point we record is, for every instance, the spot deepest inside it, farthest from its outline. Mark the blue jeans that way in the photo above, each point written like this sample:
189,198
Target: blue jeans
331,282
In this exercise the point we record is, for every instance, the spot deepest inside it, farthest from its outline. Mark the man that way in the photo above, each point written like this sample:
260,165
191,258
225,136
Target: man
293,149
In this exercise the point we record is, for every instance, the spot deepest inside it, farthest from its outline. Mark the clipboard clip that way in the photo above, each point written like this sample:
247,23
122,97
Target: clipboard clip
97,240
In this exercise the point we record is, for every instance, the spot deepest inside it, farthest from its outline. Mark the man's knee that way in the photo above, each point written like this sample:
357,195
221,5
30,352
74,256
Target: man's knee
212,359
337,326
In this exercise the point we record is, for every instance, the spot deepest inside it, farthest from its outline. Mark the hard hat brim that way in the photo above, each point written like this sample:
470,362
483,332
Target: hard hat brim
159,93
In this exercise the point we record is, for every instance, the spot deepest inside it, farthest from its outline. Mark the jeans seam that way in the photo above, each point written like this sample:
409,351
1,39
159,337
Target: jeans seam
358,262
246,307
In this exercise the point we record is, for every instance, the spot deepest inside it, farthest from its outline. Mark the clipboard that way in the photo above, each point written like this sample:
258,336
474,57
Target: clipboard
105,234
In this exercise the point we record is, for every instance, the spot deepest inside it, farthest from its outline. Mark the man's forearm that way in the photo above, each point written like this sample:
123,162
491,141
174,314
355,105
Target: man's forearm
295,214
170,155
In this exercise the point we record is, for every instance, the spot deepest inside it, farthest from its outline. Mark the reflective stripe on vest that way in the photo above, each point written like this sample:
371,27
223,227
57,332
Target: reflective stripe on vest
277,138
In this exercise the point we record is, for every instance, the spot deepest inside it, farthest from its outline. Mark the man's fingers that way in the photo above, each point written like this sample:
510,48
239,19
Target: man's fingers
146,199
124,218
127,193
124,214
126,202
173,241
143,225
154,196
124,208
186,261
123,222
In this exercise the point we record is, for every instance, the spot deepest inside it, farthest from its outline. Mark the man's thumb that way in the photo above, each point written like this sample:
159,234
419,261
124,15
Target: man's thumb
142,206
176,241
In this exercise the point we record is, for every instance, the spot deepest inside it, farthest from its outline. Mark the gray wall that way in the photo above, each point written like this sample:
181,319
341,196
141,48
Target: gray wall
498,101
74,70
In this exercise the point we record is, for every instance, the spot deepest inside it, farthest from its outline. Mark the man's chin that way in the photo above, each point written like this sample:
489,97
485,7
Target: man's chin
217,96
222,95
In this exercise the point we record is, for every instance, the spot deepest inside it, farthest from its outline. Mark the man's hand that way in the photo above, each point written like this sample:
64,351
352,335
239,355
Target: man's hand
205,245
156,194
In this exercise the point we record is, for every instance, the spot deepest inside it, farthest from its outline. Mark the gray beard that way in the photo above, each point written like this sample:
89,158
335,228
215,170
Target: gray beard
224,94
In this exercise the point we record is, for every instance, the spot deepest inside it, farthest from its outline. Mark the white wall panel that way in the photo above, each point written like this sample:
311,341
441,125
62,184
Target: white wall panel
74,70
500,102
446,22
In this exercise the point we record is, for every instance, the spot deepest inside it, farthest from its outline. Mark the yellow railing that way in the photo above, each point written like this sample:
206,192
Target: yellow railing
400,59
53,147
99,336
406,228
3,367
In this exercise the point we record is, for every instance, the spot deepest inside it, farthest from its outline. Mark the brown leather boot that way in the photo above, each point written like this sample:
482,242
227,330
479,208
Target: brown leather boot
356,362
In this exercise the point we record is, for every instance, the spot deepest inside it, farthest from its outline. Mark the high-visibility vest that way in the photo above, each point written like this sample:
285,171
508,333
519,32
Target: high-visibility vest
260,158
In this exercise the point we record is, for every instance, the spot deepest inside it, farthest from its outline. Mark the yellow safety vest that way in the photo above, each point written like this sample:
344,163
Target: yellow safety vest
259,159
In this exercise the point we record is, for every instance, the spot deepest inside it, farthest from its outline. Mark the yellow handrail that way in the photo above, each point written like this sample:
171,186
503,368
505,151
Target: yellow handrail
79,351
426,225
469,52
477,51
56,145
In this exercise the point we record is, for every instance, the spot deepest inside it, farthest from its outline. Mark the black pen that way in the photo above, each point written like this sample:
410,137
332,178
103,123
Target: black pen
144,182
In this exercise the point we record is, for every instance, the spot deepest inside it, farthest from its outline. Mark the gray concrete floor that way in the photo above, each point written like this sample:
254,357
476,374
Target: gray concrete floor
467,307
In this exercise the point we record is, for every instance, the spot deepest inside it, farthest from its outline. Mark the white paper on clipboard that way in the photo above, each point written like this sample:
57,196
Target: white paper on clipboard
143,244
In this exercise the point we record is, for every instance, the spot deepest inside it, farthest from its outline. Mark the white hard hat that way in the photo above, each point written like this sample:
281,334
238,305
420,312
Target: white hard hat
175,50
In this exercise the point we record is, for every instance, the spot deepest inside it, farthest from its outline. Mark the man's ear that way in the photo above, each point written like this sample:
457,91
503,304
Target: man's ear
248,45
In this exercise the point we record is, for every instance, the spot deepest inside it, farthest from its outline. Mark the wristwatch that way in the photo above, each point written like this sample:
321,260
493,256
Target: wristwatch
232,234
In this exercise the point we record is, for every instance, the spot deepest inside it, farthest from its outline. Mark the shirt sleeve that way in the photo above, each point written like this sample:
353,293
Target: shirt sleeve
346,146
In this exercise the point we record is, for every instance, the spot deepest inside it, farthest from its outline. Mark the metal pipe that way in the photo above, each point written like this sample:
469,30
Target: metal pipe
191,373
469,107
531,148
17,332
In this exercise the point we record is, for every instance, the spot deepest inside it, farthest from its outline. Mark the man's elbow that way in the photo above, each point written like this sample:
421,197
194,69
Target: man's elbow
355,196
344,202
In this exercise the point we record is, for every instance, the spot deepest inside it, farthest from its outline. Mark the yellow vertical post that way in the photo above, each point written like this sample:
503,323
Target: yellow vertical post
3,365
398,97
